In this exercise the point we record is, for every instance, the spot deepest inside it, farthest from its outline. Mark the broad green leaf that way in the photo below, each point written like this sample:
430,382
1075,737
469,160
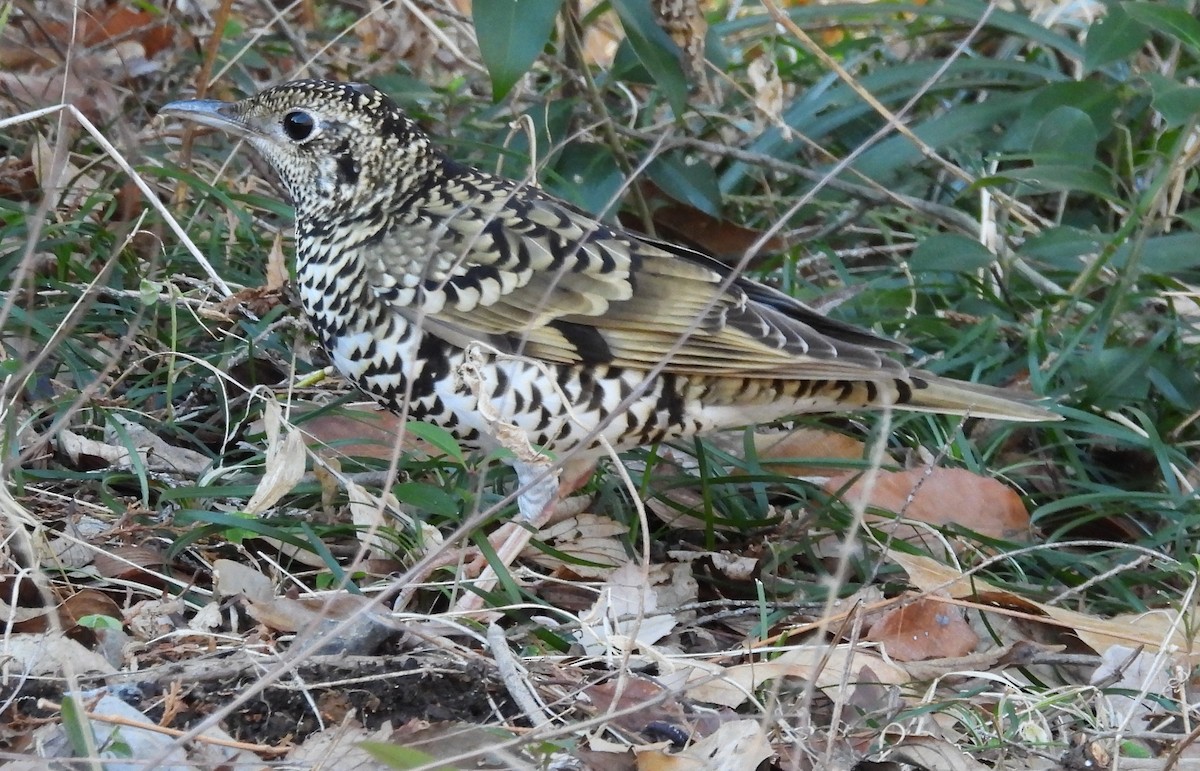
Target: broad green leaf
99,621
1191,218
1099,101
1066,133
1063,247
655,50
896,155
693,183
1177,103
511,34
588,177
1060,177
1170,254
426,497
1019,23
1114,37
1117,373
439,437
949,253
1170,21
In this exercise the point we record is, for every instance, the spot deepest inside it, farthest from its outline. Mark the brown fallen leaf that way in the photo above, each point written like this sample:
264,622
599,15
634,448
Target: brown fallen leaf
941,496
634,702
924,629
128,562
782,451
358,431
115,27
1155,630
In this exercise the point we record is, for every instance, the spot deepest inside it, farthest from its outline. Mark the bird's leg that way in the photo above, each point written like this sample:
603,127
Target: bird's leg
536,503
543,487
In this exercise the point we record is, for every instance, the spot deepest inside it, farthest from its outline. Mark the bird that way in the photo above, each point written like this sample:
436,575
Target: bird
411,265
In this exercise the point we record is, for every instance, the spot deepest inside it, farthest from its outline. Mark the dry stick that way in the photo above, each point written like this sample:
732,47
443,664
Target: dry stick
516,678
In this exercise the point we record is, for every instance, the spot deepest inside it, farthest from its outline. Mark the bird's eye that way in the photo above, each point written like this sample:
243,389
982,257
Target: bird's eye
298,125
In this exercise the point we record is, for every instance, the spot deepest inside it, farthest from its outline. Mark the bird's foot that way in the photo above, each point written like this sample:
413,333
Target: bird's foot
540,493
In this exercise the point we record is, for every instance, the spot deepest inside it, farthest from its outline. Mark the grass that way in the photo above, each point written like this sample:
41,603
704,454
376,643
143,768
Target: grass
1030,227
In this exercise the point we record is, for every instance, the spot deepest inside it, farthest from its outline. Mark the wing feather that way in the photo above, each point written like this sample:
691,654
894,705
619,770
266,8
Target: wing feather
518,269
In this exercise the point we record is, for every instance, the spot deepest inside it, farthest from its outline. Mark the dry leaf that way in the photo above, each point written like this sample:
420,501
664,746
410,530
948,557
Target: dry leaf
623,618
454,740
931,752
1156,630
150,619
277,266
783,450
358,430
285,461
942,496
682,223
924,629
235,578
342,742
369,514
46,655
587,537
129,562
735,746
626,696
829,666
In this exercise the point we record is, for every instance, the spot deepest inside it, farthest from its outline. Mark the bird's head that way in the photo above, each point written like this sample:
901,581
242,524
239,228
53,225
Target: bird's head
337,147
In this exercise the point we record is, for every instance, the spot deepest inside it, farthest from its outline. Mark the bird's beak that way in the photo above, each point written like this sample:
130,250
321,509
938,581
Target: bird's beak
209,112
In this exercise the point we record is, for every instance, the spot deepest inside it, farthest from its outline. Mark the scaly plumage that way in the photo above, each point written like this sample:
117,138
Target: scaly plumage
406,257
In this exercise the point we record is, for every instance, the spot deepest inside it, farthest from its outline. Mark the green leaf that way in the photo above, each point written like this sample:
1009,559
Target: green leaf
1170,21
1063,247
439,437
692,183
1067,133
511,34
396,756
75,724
1169,255
950,253
427,498
655,49
1061,177
588,177
1114,37
99,621
1177,103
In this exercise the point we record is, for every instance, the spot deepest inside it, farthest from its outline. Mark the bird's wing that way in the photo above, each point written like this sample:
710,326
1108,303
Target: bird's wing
526,273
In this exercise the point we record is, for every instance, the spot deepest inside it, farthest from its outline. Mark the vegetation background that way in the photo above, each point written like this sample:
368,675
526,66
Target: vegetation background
1009,188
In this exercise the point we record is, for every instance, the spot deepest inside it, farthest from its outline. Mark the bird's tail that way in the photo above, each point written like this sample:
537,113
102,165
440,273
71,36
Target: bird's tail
931,393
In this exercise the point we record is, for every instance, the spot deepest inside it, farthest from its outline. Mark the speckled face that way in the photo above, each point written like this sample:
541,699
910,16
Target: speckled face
327,140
